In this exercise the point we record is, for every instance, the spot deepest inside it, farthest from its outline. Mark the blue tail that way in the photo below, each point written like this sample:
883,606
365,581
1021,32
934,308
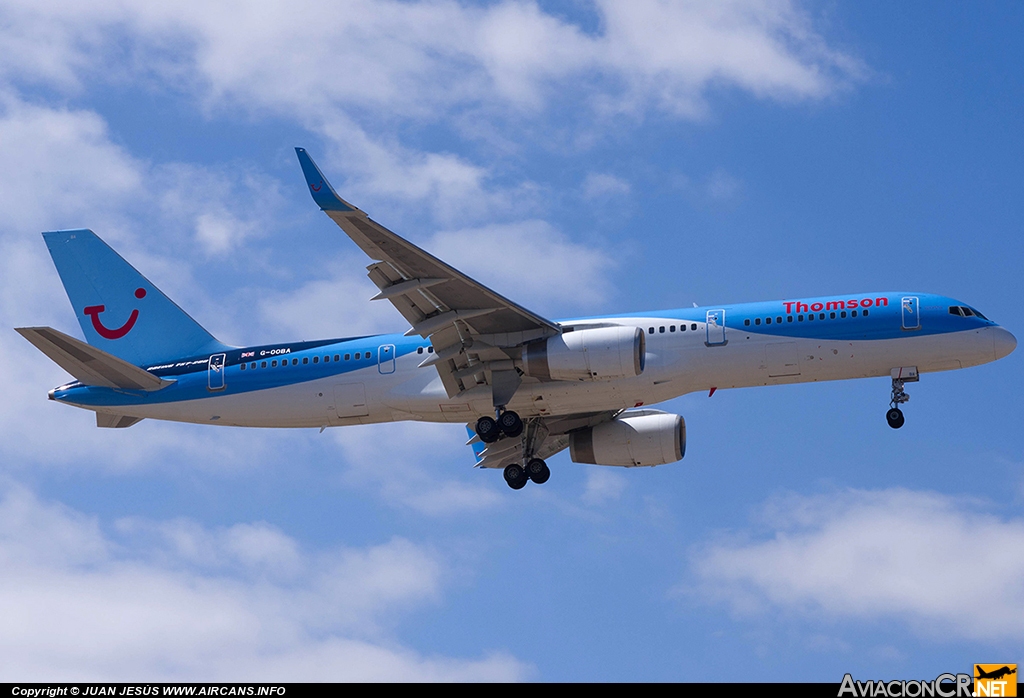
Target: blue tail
120,310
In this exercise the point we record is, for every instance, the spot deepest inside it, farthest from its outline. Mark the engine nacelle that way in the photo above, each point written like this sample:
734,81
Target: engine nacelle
638,437
598,354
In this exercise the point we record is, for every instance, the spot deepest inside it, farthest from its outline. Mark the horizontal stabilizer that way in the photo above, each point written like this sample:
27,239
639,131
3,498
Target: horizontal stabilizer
88,364
115,421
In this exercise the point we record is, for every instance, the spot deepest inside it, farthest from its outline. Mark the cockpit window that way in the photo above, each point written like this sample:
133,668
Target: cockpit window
964,311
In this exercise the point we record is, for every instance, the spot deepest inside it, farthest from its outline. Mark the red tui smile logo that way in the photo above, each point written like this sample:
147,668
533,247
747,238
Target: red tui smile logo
94,311
317,187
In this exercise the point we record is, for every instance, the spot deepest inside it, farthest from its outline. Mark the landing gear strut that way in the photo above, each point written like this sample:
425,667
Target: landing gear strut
895,416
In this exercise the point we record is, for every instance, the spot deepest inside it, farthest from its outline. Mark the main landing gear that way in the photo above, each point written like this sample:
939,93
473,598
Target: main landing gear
895,416
516,476
508,424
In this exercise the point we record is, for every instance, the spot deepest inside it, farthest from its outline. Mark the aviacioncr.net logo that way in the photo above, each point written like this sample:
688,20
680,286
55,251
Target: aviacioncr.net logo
943,686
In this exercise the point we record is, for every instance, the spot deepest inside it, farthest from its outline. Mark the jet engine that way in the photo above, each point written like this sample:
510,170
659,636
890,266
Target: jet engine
636,437
597,354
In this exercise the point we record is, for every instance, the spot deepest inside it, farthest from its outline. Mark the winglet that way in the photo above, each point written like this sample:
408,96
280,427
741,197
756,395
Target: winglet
323,193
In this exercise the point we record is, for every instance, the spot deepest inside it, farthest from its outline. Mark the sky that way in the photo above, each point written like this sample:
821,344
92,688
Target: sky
580,157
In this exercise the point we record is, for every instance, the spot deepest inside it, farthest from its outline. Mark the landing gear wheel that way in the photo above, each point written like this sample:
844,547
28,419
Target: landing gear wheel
510,423
895,417
515,476
487,429
538,471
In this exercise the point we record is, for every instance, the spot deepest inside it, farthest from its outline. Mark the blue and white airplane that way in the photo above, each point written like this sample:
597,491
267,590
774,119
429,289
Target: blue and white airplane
527,387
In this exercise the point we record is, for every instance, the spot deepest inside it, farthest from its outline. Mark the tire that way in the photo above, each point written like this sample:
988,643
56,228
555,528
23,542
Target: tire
538,471
895,417
515,476
510,423
487,429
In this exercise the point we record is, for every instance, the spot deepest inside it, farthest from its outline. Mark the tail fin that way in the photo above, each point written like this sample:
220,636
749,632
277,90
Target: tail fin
120,310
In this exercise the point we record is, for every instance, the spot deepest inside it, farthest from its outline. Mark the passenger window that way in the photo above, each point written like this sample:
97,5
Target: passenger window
316,359
672,328
650,330
295,362
682,328
661,330
347,357
746,323
779,319
242,367
693,326
865,313
832,315
789,318
810,316
263,364
252,365
757,321
800,318
821,316
305,359
273,363
768,321
430,350
327,358
419,350
853,314
337,357
842,314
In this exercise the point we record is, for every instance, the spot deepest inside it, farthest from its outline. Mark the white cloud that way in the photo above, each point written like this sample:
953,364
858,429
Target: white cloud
941,564
58,165
721,186
603,486
605,186
356,73
80,606
535,264
332,307
418,465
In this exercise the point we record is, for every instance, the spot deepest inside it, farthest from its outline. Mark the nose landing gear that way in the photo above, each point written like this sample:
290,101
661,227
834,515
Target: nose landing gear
899,397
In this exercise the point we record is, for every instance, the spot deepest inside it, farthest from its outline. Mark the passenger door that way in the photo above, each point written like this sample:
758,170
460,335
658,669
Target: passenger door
215,373
715,328
911,310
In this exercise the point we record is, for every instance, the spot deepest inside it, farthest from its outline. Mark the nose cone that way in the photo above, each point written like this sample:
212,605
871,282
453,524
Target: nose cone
1004,342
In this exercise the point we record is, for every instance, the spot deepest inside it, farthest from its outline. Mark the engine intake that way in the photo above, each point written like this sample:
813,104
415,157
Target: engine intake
598,354
641,437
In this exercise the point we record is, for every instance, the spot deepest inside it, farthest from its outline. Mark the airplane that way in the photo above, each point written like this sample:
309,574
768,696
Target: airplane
526,387
996,674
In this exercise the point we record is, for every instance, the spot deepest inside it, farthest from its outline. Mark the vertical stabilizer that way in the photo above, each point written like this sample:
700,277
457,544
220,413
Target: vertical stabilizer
120,310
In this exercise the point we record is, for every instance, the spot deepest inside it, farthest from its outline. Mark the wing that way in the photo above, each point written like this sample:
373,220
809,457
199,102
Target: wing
474,331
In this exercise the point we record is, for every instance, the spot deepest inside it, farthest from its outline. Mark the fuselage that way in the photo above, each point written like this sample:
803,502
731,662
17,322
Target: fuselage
369,379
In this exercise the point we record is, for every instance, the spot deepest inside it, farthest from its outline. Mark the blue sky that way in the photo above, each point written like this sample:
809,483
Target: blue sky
639,155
